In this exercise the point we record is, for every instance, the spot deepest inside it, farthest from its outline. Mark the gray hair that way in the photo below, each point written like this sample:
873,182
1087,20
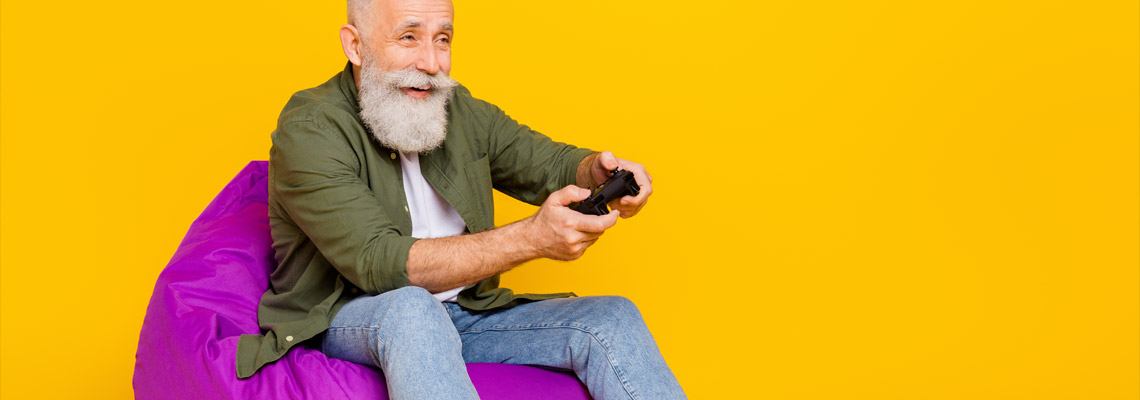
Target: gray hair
360,15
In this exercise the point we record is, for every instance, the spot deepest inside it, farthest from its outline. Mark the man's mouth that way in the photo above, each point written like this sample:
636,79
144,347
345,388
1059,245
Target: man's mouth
419,92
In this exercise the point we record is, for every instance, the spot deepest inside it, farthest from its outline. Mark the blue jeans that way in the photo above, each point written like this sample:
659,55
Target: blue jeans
421,345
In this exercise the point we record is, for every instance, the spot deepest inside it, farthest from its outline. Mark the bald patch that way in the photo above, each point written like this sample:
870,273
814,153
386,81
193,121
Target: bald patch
363,13
359,12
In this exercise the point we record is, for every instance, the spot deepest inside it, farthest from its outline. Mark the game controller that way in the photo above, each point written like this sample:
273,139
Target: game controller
620,183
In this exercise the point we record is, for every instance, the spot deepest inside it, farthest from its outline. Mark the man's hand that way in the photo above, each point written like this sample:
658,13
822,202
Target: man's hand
596,168
560,233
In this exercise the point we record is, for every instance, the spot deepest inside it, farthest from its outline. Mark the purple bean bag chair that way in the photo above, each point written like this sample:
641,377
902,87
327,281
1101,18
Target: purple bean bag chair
207,296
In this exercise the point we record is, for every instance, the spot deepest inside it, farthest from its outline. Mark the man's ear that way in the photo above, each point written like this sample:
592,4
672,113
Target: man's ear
352,44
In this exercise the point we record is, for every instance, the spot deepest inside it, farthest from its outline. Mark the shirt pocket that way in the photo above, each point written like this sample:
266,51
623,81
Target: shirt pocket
479,178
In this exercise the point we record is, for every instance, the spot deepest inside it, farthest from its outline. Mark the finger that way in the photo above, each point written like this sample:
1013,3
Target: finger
642,195
629,208
639,174
632,202
608,161
575,237
567,195
590,236
643,192
625,209
616,204
597,223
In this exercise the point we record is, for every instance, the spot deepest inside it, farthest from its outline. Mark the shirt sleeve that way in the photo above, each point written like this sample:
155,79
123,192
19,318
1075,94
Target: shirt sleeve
526,164
314,177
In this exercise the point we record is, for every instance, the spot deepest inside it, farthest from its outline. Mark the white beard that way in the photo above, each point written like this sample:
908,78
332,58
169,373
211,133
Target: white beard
397,120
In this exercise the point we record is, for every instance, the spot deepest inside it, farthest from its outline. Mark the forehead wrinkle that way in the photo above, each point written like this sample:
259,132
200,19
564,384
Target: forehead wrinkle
409,23
412,23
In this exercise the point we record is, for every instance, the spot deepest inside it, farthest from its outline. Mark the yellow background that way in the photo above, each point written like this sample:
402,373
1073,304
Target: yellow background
853,199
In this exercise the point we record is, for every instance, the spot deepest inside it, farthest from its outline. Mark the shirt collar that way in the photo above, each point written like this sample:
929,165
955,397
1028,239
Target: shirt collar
348,86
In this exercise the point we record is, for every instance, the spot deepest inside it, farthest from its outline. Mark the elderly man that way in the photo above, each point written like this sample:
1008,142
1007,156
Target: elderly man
382,222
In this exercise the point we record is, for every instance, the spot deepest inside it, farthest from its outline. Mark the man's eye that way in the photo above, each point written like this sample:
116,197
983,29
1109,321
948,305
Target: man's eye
407,37
445,40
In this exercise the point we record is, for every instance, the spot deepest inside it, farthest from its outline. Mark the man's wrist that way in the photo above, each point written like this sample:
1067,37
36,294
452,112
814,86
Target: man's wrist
522,233
585,175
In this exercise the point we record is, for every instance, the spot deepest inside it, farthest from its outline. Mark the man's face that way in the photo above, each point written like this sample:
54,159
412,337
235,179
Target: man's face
411,34
404,83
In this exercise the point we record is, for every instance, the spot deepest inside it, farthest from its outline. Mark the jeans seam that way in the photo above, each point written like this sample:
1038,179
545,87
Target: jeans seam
582,328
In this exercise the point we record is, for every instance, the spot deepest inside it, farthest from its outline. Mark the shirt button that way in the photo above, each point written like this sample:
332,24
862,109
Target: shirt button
392,155
406,209
289,338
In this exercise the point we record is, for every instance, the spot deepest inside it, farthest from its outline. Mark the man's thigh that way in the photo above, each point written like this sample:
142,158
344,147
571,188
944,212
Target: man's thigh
548,332
368,327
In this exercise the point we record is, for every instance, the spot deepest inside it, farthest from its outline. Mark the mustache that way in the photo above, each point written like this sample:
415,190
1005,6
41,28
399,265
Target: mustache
413,78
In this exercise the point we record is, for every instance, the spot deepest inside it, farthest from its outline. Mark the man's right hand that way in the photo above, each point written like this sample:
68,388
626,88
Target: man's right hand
559,233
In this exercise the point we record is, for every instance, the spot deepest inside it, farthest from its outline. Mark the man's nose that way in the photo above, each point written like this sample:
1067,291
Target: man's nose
428,60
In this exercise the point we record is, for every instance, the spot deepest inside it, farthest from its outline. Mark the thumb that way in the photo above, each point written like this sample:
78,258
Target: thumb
610,219
567,195
608,161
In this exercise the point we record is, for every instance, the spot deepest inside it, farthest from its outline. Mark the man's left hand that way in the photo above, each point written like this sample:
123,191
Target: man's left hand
602,164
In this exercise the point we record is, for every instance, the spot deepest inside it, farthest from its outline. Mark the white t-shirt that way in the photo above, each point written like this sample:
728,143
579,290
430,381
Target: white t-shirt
432,216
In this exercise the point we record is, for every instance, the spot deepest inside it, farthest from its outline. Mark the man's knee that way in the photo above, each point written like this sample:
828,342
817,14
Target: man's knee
616,312
409,305
410,312
408,297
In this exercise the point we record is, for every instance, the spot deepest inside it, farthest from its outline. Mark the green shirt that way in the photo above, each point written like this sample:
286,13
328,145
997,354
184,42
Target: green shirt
339,218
